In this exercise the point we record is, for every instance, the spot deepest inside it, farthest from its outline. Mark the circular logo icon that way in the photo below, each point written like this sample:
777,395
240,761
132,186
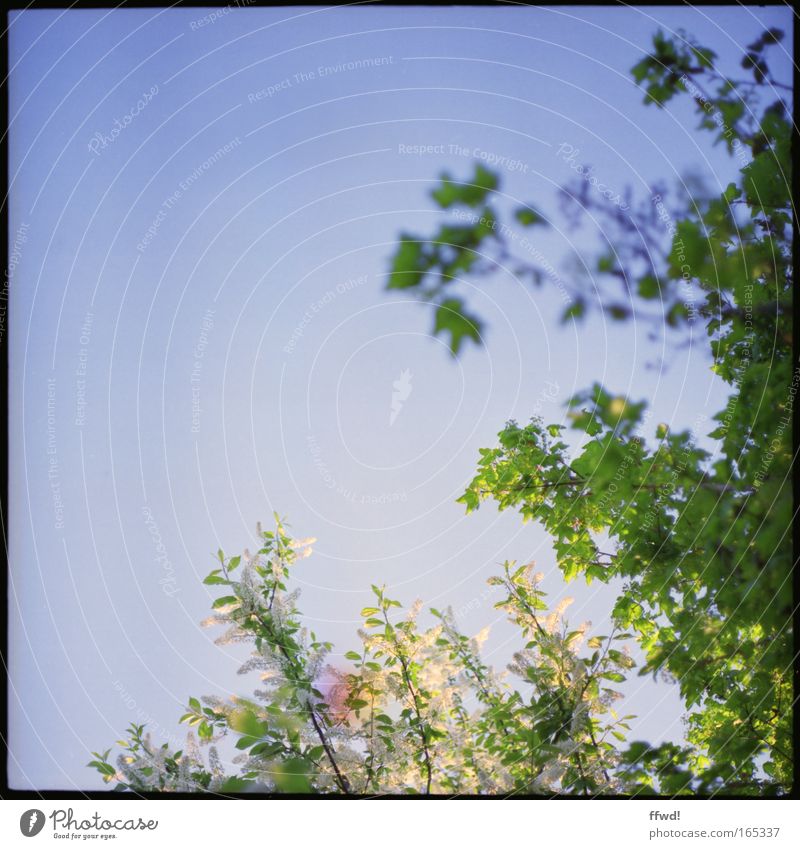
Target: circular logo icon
31,822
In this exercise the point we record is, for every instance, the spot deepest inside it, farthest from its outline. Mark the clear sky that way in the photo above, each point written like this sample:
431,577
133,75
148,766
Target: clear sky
203,206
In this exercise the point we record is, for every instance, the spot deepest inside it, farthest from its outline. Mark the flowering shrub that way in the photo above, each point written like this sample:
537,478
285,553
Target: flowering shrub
418,712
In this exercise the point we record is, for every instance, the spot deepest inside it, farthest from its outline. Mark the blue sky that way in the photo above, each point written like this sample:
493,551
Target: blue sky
241,216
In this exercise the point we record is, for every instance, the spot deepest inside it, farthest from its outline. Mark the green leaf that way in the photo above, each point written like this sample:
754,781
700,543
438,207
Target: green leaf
468,193
215,578
613,676
576,309
247,723
293,776
733,192
451,319
408,264
649,287
764,184
640,70
235,784
528,217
